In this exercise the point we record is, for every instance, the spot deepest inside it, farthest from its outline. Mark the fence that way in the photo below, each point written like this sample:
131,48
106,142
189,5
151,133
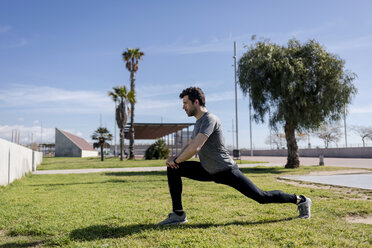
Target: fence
16,161
347,152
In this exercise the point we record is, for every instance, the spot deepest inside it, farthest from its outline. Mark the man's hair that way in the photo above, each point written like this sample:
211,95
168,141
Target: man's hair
194,93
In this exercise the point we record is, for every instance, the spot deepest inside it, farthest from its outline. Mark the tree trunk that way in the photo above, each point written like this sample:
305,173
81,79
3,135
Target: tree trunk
121,144
102,152
292,159
131,130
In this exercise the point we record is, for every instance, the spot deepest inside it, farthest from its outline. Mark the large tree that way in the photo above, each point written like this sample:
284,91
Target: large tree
329,133
121,96
302,85
364,132
131,56
102,135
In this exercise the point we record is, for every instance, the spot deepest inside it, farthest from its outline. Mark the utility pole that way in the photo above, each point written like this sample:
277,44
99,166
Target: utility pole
236,99
250,125
115,131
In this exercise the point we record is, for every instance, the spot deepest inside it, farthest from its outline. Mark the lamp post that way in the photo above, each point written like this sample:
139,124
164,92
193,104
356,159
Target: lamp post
236,99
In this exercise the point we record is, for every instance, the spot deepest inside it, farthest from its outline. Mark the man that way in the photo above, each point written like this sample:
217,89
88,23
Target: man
215,163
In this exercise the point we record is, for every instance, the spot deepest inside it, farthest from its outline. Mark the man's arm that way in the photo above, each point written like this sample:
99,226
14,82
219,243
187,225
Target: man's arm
171,158
189,150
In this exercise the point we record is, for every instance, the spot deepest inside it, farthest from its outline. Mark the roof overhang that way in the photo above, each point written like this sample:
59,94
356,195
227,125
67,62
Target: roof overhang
155,130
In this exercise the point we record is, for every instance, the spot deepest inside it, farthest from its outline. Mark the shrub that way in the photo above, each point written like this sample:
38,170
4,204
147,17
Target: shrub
158,150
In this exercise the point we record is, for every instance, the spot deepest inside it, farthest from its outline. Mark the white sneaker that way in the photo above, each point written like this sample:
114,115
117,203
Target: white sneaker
304,208
174,219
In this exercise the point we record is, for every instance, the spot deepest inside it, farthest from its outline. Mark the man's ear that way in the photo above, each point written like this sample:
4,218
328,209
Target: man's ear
196,102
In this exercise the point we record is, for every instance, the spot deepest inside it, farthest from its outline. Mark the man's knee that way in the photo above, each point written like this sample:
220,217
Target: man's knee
262,198
172,172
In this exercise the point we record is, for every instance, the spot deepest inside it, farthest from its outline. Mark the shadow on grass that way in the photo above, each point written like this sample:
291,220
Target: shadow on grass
264,170
19,244
85,183
255,170
137,173
105,231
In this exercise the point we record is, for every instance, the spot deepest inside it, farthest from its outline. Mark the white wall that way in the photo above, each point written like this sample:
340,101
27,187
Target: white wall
16,161
89,153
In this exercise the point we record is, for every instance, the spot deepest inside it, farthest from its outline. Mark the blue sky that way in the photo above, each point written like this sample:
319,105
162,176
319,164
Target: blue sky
58,59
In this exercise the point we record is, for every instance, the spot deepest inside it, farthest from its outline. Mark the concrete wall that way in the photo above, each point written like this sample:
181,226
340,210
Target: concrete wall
89,154
352,152
65,147
16,161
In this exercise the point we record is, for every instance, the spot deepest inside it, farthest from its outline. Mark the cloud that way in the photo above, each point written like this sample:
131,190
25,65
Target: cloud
5,29
28,134
19,43
367,109
28,98
361,42
309,32
195,46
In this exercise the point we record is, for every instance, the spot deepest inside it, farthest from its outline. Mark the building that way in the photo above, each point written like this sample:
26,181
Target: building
69,145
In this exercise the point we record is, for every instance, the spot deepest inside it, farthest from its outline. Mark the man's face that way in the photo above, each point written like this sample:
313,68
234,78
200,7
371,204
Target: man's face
188,106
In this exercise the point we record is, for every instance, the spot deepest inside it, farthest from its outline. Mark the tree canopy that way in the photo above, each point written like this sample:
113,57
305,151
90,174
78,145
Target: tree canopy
102,135
121,95
302,85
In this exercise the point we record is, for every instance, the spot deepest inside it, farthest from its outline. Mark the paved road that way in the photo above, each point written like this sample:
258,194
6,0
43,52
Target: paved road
363,181
341,162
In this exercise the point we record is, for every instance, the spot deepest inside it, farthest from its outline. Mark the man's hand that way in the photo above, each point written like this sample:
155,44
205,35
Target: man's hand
170,162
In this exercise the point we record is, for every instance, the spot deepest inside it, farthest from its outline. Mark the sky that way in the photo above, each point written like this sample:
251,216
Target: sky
59,59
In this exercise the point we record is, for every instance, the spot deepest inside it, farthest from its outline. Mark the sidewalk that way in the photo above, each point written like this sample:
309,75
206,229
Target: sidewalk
132,169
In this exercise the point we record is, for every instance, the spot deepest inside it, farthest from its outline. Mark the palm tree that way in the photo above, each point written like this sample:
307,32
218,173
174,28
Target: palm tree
121,95
131,56
102,135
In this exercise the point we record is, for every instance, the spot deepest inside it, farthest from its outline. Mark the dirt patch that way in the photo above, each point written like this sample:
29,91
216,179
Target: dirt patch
349,193
360,219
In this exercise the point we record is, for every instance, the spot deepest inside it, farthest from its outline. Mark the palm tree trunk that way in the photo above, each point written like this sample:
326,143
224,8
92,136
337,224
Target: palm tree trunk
102,152
131,131
293,158
121,144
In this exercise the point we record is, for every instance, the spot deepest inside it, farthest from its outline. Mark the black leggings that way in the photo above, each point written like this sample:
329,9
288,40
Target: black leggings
234,178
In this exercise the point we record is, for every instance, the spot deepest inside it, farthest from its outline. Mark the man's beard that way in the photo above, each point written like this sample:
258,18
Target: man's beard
192,112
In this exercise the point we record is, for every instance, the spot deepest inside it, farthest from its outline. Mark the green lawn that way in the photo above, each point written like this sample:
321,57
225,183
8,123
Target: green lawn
121,209
60,163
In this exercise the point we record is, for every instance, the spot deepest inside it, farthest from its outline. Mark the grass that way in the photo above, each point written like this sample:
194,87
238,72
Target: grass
121,209
60,163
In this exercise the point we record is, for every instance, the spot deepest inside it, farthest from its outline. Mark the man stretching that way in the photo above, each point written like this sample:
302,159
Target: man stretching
215,163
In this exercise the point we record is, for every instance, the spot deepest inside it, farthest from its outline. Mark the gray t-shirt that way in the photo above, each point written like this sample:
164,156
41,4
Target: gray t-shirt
214,156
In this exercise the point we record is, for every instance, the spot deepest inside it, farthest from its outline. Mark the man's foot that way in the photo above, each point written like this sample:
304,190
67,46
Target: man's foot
174,219
304,208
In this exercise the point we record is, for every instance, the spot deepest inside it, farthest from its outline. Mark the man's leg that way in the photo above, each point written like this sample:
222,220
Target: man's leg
236,179
188,169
